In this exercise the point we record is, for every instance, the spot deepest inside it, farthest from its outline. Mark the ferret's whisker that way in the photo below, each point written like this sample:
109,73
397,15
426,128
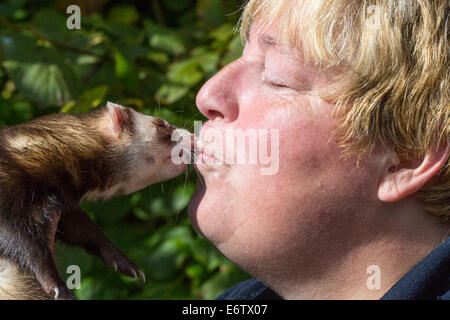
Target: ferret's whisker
171,188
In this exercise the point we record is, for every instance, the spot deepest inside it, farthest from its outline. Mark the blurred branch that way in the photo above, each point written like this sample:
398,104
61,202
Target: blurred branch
57,44
158,12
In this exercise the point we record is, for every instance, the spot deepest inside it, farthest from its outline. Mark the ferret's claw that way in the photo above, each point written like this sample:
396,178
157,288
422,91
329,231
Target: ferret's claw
56,290
115,266
142,275
134,274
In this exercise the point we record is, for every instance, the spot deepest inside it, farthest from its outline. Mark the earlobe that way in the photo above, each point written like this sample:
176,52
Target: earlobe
400,182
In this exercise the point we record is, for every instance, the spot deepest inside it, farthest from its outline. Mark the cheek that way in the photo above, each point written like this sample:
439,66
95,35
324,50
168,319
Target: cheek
306,155
305,128
245,199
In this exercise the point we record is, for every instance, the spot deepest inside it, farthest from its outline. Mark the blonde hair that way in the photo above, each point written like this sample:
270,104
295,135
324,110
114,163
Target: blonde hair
392,58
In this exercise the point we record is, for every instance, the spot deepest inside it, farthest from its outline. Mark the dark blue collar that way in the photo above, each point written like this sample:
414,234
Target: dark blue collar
429,279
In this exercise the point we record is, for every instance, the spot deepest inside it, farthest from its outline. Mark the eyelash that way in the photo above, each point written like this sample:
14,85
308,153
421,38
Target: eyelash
277,86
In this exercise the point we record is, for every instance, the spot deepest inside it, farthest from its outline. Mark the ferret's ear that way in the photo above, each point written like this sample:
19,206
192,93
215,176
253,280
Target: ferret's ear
120,118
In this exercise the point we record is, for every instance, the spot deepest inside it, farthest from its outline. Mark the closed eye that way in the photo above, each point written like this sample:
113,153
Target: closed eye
273,83
276,85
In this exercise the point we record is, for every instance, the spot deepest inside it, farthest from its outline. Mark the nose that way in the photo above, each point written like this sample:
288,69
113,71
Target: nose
217,99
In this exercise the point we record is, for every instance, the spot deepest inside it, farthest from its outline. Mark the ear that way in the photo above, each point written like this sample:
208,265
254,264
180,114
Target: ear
119,118
400,182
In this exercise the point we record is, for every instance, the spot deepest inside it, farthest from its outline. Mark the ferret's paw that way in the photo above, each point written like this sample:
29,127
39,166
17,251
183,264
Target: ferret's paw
132,271
121,263
60,293
140,274
66,297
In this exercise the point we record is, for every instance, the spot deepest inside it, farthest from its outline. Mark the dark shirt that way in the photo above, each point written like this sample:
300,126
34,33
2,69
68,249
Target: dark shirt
427,280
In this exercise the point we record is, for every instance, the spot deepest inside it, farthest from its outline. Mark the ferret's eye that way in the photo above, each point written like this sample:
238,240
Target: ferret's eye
164,129
160,123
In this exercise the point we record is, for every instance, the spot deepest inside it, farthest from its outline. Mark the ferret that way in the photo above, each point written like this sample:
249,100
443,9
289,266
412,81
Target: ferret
50,164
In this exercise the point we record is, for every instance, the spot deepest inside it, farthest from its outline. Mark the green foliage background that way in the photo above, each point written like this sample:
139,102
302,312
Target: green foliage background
150,55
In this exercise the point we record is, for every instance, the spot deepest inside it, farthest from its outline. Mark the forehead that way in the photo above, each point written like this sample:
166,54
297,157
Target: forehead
266,36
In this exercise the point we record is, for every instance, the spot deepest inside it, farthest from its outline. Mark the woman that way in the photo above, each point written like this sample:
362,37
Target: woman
357,92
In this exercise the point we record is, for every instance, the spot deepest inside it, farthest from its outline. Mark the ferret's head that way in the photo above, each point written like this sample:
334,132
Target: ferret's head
144,149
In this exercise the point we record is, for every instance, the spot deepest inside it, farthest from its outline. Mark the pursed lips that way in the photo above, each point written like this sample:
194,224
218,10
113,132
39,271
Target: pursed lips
205,154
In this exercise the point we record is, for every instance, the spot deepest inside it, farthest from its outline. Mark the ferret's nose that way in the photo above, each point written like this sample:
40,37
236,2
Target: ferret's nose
187,138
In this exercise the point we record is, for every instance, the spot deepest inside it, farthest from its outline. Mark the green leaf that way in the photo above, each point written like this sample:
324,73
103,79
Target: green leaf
45,83
90,99
234,51
135,198
122,64
39,73
178,5
15,111
105,75
133,51
170,93
12,7
168,115
185,73
123,14
112,28
168,250
206,254
141,214
181,196
158,57
66,256
207,60
182,76
195,271
212,12
89,288
159,207
168,43
111,211
221,281
165,260
52,24
222,33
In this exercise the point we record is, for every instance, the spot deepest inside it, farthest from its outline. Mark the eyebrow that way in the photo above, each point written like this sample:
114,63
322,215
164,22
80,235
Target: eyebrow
266,39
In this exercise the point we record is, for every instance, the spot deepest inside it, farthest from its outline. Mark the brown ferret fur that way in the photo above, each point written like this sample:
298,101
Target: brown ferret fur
48,165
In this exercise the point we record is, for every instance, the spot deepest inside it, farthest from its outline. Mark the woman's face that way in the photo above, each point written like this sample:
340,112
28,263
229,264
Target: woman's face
310,197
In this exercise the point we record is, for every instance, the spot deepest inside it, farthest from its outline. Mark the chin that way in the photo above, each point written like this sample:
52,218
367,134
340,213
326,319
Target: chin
178,169
171,170
209,215
194,203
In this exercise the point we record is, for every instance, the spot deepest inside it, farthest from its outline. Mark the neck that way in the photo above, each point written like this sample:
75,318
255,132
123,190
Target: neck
391,245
